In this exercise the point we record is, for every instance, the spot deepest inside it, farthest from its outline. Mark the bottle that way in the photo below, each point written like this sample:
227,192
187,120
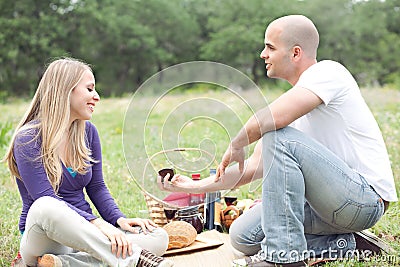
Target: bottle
218,206
196,199
210,206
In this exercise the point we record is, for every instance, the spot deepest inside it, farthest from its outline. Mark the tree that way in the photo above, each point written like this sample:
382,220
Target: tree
29,31
237,33
128,41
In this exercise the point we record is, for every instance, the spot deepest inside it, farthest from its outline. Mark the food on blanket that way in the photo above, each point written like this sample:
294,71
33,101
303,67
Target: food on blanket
230,200
181,234
228,215
244,204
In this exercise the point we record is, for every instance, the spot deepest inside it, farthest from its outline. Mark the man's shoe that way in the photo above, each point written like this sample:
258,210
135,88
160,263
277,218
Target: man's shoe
258,260
148,259
49,260
367,241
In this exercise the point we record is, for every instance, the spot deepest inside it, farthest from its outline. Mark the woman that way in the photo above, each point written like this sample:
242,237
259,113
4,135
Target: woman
54,154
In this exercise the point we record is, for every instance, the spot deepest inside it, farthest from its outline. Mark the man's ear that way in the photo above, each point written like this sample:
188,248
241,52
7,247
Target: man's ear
297,52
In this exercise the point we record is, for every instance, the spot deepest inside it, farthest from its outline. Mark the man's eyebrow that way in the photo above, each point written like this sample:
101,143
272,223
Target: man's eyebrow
268,44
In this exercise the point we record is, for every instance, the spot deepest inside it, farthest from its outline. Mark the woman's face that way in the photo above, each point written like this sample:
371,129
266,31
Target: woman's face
83,98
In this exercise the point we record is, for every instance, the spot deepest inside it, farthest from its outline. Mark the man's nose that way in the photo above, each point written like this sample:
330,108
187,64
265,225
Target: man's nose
263,53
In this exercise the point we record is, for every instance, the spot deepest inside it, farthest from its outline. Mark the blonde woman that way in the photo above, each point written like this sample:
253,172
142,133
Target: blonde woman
55,154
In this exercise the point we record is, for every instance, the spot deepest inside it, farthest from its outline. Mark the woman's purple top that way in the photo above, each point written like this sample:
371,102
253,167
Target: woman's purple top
34,183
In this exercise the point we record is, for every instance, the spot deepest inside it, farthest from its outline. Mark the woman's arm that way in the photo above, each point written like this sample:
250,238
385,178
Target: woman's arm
97,189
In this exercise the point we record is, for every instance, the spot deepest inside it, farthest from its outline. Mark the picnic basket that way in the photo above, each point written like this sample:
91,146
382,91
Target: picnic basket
154,204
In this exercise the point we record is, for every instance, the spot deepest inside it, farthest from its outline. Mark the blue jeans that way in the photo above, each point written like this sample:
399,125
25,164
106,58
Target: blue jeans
312,202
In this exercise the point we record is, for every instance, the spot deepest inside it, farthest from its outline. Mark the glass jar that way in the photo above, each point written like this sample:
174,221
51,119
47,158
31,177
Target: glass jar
191,215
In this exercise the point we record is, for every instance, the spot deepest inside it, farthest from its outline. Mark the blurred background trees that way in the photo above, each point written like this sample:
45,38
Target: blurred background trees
128,41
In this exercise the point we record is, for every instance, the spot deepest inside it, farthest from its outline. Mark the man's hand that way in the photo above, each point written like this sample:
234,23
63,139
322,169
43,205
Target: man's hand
231,155
178,183
120,245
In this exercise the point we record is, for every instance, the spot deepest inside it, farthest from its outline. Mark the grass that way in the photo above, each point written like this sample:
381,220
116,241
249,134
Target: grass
170,124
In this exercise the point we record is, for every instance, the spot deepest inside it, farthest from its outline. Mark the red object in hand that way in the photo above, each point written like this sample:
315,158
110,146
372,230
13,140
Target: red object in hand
178,198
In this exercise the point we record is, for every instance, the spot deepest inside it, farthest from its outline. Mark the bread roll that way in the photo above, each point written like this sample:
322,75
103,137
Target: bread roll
181,234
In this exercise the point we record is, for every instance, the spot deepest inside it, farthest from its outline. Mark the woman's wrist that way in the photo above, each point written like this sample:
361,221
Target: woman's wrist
119,221
95,221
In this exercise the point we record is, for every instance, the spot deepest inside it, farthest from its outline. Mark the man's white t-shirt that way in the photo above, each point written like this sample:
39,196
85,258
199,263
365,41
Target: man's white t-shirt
345,125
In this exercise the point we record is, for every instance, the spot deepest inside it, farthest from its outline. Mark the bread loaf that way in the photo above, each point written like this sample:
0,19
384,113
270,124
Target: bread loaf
181,234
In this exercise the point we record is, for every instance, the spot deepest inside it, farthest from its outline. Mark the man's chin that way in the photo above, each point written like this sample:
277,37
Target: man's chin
270,74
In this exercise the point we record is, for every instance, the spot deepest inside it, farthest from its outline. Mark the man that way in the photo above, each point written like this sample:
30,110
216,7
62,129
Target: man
325,177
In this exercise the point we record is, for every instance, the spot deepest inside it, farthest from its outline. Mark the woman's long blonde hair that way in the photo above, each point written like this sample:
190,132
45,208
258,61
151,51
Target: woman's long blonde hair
49,113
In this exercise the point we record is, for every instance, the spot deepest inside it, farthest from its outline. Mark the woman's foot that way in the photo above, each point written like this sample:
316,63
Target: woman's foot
49,260
148,259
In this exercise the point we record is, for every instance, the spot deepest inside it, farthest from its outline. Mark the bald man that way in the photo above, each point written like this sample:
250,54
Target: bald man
325,168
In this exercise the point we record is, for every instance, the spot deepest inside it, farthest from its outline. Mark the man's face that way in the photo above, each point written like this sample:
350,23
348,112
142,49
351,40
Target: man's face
276,54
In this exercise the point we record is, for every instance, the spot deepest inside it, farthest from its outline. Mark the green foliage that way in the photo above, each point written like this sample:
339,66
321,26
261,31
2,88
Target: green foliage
129,41
5,133
196,88
237,33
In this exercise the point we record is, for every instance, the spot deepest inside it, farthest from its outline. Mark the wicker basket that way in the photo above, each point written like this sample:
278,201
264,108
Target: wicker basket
156,205
228,215
156,209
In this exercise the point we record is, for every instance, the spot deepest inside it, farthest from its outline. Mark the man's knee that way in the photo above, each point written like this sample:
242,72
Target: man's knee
240,241
235,235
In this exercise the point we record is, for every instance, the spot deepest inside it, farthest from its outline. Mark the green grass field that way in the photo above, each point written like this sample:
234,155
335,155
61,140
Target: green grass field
109,119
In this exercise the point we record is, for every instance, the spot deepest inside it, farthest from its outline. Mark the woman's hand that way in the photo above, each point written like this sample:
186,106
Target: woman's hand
120,245
128,223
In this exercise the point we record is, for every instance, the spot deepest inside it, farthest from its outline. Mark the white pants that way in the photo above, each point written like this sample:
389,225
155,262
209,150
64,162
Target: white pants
54,228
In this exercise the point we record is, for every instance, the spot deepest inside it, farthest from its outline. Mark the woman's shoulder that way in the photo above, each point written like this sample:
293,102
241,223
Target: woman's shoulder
27,140
27,132
90,127
91,130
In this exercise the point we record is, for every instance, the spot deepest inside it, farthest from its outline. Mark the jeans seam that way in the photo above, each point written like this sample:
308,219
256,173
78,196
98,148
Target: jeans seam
254,234
286,199
288,234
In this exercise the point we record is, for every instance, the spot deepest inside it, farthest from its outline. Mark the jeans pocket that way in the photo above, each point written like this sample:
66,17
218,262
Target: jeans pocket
355,216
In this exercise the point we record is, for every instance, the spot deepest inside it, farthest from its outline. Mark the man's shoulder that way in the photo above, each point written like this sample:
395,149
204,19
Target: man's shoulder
327,63
328,69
